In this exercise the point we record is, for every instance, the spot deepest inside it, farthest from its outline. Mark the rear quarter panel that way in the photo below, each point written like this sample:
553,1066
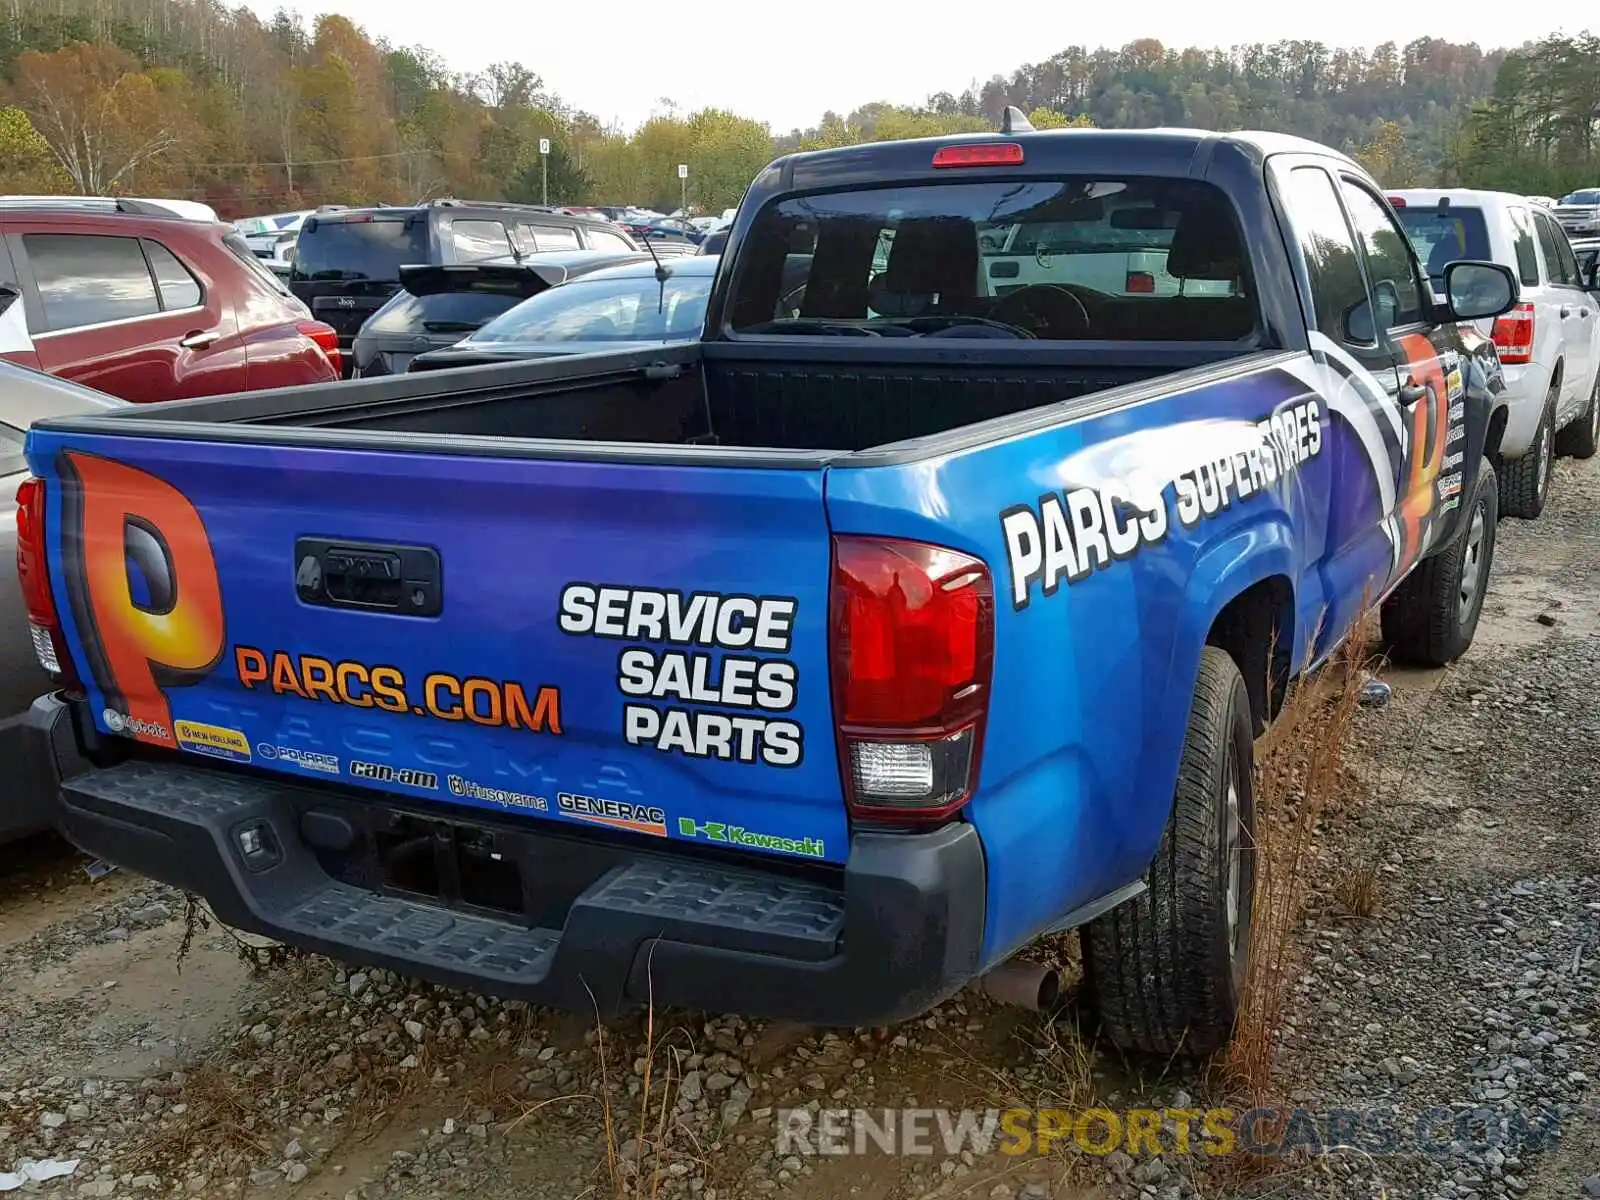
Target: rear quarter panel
1094,669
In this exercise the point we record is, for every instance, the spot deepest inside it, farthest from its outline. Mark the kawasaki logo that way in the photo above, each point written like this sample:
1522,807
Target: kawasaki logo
738,835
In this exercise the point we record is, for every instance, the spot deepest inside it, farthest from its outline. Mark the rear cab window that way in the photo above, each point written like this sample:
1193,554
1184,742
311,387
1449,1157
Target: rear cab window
363,247
1070,258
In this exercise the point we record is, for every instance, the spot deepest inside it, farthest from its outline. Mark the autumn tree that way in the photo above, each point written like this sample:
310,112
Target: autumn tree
101,116
1387,157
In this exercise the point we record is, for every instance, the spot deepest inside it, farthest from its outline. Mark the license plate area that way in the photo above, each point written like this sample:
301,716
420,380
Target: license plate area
448,862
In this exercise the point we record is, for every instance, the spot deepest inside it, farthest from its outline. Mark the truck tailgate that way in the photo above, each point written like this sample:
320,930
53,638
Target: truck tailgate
618,646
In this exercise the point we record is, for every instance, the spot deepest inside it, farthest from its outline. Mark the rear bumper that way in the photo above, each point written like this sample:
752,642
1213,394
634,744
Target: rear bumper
38,751
1527,388
604,926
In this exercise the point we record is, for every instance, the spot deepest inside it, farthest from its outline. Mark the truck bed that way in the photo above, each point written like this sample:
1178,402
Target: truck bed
844,399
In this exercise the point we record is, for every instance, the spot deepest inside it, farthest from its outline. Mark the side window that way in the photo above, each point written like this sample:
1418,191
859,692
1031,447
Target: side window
86,279
11,460
178,287
1527,260
1391,263
552,237
1332,263
1558,258
477,240
604,239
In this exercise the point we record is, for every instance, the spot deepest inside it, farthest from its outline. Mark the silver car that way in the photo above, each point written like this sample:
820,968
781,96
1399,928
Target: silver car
26,396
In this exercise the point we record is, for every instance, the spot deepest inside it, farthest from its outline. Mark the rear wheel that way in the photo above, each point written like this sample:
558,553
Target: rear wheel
1166,969
1525,481
1430,619
1582,437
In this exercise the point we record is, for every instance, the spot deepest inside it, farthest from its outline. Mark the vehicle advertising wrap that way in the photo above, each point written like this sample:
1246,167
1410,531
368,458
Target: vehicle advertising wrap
542,639
1304,480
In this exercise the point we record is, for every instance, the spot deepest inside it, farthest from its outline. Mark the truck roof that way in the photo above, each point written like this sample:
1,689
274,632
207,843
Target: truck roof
1160,151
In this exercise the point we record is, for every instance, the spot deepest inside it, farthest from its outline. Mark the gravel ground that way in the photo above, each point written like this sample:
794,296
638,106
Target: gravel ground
1467,1000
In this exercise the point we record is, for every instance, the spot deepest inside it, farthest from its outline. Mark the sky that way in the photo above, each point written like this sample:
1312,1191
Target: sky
786,63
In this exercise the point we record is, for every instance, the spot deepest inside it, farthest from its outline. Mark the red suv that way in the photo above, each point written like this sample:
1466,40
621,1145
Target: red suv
121,297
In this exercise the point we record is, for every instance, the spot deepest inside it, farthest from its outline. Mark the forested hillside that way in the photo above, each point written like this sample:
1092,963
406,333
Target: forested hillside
190,98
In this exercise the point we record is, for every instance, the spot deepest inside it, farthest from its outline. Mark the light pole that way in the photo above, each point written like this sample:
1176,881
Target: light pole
544,170
683,188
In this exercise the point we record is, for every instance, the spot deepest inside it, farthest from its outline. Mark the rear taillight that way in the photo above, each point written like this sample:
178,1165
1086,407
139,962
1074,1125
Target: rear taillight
911,639
327,339
1140,283
49,646
1513,335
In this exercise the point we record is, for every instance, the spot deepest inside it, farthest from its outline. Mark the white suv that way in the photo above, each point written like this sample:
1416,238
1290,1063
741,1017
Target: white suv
1549,343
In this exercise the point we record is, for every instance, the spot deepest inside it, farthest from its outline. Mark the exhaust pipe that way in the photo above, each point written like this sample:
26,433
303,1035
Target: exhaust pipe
1030,985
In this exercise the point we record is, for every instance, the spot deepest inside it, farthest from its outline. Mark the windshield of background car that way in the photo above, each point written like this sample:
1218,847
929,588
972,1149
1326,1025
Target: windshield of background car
370,249
1587,196
633,309
1064,259
1443,236
442,312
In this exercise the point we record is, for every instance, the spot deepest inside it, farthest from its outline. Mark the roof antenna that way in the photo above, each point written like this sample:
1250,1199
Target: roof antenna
662,275
1013,121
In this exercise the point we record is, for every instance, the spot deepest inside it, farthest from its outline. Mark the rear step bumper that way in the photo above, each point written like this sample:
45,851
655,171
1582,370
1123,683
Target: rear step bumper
611,927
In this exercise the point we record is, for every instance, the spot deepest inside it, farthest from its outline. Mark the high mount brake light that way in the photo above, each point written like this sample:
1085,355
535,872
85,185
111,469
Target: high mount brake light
44,626
1397,201
911,633
980,154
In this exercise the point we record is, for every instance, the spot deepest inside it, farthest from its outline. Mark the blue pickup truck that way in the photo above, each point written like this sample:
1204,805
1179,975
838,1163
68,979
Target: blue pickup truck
812,669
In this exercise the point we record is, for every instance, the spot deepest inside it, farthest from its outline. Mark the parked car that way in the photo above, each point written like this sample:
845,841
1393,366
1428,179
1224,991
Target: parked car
715,242
437,306
1549,343
273,238
25,396
149,307
628,307
1586,250
1543,201
1579,212
348,263
812,669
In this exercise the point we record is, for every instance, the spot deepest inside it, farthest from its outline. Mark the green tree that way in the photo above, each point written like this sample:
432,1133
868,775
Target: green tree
26,162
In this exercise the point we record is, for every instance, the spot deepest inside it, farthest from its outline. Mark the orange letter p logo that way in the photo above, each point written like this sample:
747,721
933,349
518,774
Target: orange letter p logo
143,586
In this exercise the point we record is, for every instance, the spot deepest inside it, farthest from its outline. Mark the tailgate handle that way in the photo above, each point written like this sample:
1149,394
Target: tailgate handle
403,580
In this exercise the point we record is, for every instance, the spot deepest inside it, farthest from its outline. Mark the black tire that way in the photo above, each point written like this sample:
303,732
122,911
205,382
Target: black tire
1429,620
1582,437
1525,481
1165,970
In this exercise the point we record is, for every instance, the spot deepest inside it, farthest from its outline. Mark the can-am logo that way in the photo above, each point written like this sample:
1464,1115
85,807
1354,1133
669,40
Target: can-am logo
121,723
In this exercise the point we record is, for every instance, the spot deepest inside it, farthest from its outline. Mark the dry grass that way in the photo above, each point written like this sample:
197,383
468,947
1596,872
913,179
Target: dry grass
1356,886
1300,771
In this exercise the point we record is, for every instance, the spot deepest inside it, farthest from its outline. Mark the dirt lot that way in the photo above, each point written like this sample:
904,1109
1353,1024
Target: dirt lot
1444,967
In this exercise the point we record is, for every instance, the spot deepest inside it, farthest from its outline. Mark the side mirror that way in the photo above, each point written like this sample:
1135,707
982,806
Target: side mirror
9,295
1477,290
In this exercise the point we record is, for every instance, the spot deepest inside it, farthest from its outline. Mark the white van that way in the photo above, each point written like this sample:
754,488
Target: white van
1549,344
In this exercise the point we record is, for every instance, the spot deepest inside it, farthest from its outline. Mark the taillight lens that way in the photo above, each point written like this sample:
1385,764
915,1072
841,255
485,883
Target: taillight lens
1513,335
1140,283
327,339
43,625
912,650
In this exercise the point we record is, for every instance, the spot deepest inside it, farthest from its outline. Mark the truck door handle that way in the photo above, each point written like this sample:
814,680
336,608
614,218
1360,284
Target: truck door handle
1411,392
201,338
